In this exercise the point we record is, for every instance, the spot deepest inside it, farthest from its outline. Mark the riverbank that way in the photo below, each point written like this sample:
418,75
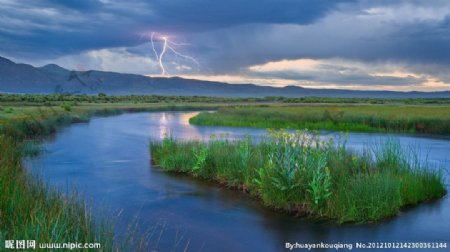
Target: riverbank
303,175
427,119
30,210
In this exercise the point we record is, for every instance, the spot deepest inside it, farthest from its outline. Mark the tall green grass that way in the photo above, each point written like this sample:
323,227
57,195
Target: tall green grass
366,118
302,174
30,211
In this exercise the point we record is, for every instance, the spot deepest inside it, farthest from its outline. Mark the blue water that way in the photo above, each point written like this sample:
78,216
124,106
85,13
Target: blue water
107,160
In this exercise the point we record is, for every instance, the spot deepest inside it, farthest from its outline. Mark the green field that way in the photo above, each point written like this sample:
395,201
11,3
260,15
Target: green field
429,119
303,175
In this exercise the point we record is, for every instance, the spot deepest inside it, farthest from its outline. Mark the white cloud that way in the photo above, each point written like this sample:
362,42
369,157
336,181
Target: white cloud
112,59
334,73
407,12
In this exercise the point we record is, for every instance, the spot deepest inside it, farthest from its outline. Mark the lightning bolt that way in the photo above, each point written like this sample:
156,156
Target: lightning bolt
163,70
168,45
153,46
181,55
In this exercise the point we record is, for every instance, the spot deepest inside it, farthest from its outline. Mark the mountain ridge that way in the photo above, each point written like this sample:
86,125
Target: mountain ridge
52,78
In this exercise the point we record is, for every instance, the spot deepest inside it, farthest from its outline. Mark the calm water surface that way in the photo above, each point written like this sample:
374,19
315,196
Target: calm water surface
107,160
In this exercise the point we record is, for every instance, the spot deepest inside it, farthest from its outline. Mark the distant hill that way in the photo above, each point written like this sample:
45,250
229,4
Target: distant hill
23,78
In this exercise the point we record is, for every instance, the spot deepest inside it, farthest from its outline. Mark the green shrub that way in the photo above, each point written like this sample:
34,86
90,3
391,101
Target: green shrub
67,107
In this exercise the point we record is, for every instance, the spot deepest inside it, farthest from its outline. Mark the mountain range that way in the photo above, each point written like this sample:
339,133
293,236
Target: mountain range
24,78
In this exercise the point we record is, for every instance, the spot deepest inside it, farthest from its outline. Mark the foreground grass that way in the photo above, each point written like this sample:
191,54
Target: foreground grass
366,118
29,210
304,175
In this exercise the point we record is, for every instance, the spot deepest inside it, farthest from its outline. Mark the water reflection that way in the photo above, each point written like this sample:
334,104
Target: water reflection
163,127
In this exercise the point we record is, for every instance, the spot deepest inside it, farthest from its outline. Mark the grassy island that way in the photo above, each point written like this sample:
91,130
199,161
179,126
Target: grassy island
304,175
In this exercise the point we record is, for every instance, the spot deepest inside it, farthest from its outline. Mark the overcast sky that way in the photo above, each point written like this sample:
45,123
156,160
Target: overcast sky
386,44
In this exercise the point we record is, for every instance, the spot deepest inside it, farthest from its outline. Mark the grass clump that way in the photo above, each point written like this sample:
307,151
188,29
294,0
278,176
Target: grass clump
367,198
302,174
30,148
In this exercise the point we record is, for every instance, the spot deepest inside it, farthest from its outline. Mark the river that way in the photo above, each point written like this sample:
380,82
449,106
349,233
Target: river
108,162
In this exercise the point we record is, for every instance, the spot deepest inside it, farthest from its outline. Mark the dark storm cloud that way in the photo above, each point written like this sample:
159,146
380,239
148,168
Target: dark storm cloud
429,41
216,14
368,39
80,5
56,27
